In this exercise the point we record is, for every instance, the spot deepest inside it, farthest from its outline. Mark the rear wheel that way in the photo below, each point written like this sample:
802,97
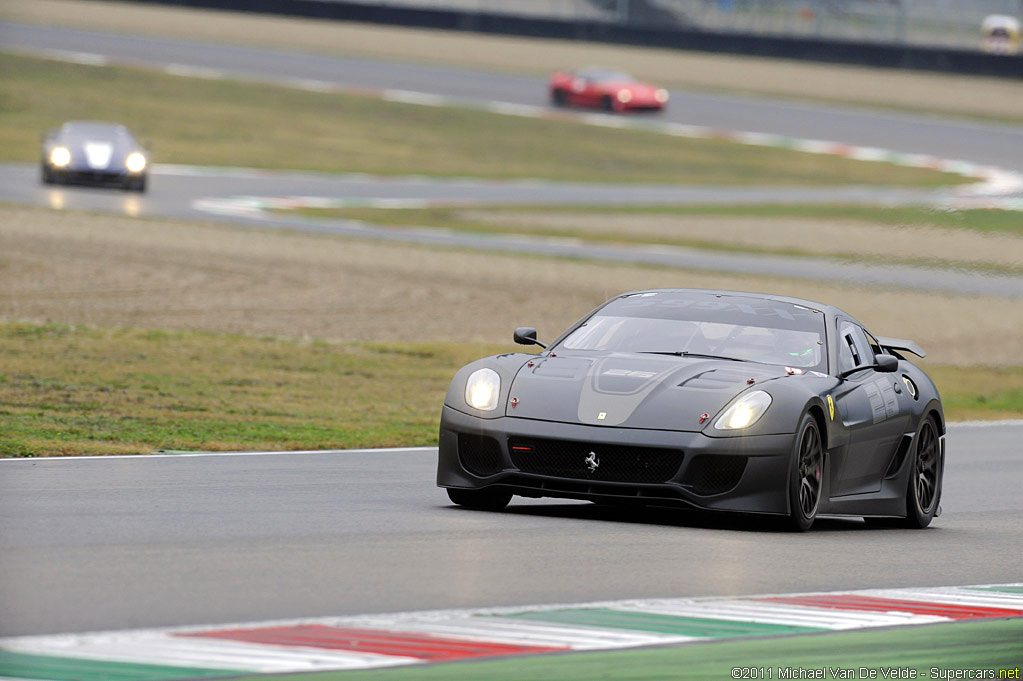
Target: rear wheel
489,499
607,103
923,490
806,475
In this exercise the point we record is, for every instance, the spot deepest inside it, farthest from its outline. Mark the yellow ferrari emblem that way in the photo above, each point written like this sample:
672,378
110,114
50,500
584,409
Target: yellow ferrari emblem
831,407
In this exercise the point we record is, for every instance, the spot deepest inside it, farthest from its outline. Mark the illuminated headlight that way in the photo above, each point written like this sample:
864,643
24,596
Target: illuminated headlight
482,389
745,411
661,95
624,96
135,163
60,157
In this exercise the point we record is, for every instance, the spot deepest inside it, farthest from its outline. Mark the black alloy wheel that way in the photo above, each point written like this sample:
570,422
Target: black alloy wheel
806,475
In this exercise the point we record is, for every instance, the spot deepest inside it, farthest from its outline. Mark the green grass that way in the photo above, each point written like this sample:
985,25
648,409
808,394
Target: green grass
234,123
961,645
979,392
80,390
76,390
986,220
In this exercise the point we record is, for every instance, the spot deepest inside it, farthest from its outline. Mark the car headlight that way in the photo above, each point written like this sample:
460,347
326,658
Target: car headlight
624,96
135,163
661,95
482,389
745,411
60,157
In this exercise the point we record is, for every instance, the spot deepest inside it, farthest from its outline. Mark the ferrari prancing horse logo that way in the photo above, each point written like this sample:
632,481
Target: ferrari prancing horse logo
592,462
831,407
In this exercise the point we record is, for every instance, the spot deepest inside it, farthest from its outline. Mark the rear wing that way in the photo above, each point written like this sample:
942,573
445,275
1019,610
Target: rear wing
894,345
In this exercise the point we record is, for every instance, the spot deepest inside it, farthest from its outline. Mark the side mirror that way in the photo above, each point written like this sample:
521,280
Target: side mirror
886,364
526,335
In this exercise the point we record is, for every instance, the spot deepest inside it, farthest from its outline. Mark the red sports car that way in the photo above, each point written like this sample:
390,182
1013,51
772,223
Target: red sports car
605,89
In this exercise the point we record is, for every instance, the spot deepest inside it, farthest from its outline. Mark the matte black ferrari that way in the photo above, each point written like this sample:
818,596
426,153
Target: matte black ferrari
96,153
702,399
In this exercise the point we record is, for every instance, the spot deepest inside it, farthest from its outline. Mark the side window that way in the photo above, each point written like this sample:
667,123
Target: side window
854,349
875,347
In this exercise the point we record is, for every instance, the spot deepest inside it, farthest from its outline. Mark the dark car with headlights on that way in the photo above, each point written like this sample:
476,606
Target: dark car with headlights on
95,153
712,400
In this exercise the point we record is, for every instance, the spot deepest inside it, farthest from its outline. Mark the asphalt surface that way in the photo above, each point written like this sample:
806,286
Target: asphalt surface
92,544
970,141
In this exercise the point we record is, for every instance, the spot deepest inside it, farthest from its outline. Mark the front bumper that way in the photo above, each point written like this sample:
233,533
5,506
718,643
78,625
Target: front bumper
758,465
96,178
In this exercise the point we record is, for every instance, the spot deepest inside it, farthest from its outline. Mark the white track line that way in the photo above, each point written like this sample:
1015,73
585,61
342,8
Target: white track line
201,455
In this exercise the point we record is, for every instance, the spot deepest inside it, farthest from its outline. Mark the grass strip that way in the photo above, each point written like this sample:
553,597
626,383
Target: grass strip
67,390
225,122
990,645
505,220
983,220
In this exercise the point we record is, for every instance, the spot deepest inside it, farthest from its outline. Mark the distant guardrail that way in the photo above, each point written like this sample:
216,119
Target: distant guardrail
665,35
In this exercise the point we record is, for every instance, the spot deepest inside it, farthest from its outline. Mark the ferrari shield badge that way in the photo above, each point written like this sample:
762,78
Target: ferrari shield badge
831,407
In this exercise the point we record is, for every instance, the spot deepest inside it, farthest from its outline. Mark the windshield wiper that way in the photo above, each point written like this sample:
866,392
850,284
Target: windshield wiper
686,353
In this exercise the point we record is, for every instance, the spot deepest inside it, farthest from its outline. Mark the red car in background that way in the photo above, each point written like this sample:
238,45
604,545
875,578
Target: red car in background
605,89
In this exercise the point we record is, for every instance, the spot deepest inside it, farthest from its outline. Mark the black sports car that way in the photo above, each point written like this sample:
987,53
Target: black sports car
92,152
702,399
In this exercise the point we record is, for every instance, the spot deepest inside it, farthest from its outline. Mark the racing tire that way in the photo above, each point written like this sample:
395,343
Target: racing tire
607,103
480,499
806,475
47,176
923,486
559,98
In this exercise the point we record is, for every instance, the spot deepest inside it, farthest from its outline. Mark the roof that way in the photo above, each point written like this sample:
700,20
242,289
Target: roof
829,310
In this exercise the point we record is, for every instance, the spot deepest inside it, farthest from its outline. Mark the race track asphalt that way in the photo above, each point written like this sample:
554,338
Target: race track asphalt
108,543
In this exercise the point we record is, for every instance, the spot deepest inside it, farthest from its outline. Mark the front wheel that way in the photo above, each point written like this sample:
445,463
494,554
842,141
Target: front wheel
607,103
806,474
559,97
137,184
923,490
481,499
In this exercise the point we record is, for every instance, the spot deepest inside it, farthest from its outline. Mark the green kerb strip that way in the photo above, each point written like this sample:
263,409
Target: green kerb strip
22,666
988,644
1000,589
660,624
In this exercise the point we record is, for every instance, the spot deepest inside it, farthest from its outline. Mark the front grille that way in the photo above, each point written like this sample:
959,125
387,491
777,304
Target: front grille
479,454
614,463
713,473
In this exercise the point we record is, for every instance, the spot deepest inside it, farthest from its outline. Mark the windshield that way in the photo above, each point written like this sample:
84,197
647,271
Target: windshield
769,333
606,76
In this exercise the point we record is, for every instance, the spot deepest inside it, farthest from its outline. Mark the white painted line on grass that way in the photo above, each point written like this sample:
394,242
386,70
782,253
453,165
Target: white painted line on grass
199,455
186,71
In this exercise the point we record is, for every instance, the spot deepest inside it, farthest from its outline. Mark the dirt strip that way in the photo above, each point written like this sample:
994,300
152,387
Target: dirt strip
774,77
109,270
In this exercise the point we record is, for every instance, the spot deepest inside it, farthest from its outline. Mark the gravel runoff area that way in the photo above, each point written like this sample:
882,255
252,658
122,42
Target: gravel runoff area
963,95
108,270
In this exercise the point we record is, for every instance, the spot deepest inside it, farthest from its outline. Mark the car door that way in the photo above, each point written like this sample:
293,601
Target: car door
873,410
